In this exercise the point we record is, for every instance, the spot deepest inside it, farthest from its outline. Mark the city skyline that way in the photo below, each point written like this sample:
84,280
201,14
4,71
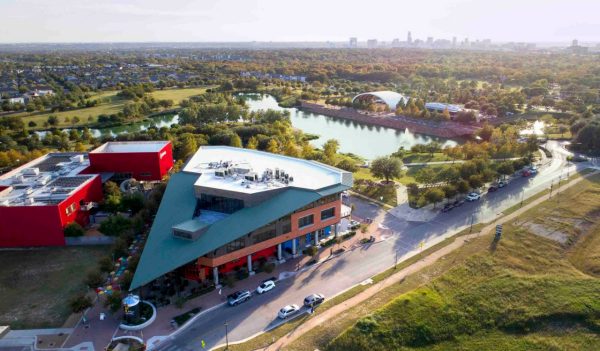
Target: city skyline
212,21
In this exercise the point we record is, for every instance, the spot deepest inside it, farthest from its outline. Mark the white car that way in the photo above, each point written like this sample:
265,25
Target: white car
287,311
265,286
473,197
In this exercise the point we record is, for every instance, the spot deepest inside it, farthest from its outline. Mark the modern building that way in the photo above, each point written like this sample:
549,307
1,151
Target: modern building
390,98
353,43
440,107
372,43
39,199
141,160
233,208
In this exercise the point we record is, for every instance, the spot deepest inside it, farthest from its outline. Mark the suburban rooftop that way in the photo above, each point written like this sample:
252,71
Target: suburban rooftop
47,180
251,171
129,147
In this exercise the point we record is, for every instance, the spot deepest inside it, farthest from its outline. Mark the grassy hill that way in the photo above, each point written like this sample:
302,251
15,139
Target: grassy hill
536,289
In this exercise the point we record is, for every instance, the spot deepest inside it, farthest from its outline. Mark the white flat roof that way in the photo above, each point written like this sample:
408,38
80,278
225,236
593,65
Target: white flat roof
130,146
46,180
306,174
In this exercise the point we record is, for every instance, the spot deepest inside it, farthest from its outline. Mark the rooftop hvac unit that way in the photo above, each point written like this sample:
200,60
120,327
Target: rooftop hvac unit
18,179
220,173
31,171
77,159
28,191
29,201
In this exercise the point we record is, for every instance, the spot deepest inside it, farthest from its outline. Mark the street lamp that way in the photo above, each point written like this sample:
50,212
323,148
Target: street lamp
472,215
226,337
522,197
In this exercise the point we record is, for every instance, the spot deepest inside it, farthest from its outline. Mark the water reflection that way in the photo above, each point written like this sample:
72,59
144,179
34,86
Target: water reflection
365,140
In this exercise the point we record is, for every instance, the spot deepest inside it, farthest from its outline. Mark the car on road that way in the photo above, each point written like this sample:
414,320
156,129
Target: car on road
238,297
472,197
492,188
501,184
458,203
526,173
447,208
267,285
313,300
533,170
287,311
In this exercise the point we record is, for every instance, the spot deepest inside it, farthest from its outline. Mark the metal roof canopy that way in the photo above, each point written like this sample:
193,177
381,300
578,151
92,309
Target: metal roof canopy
164,253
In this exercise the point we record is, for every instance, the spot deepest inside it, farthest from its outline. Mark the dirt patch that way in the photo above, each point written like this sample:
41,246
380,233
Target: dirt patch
548,233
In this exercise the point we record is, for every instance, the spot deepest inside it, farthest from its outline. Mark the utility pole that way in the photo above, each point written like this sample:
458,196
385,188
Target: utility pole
396,259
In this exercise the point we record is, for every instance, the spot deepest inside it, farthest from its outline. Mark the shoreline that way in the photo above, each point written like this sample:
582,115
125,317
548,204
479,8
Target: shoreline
447,130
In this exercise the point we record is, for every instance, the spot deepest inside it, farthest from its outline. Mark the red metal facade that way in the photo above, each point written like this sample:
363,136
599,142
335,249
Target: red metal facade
141,165
44,225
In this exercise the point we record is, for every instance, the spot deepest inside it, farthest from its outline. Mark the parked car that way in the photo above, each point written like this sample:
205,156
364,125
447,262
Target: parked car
472,197
313,300
526,173
533,170
238,297
354,224
447,207
501,184
265,286
458,203
287,311
492,188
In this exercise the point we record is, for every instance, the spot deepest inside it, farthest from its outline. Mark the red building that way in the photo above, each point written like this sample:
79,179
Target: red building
142,160
39,199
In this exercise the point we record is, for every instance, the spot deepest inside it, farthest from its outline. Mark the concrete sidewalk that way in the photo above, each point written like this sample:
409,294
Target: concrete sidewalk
322,318
99,333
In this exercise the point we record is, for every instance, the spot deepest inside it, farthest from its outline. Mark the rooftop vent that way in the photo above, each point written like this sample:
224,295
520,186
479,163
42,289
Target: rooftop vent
31,171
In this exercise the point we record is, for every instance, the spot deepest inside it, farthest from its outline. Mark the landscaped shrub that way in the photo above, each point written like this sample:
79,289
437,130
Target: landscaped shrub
73,230
348,235
105,264
268,267
79,303
94,279
229,280
113,301
310,251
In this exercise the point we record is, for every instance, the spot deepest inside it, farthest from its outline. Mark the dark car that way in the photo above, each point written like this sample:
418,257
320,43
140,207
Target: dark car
492,189
447,207
458,203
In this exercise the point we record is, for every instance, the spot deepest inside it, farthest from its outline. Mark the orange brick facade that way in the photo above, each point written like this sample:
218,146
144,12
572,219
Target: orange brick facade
270,243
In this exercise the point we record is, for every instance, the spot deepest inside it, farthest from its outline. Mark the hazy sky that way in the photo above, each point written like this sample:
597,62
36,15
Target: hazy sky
300,20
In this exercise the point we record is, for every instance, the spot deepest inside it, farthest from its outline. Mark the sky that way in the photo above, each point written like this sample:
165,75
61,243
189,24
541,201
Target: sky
24,21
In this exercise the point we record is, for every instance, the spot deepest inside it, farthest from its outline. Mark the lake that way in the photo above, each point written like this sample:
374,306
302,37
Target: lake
360,139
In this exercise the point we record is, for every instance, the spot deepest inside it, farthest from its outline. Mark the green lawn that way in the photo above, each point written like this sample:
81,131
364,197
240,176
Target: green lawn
525,293
177,95
425,157
109,104
36,284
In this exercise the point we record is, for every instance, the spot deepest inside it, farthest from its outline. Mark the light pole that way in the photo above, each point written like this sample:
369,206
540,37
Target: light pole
226,337
471,229
395,259
522,197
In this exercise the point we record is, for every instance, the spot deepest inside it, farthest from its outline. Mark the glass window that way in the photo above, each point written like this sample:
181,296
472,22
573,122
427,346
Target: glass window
236,245
306,221
328,213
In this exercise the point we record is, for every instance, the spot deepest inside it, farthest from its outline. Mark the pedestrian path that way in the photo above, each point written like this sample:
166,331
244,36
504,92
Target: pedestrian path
321,319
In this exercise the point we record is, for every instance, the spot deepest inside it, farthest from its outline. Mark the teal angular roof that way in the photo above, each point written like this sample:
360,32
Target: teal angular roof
164,253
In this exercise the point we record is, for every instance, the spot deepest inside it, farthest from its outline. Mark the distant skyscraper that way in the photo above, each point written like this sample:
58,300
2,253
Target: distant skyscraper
396,43
453,42
575,42
353,42
372,43
430,41
409,38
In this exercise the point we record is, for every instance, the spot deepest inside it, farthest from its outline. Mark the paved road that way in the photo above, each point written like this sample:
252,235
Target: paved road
363,262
